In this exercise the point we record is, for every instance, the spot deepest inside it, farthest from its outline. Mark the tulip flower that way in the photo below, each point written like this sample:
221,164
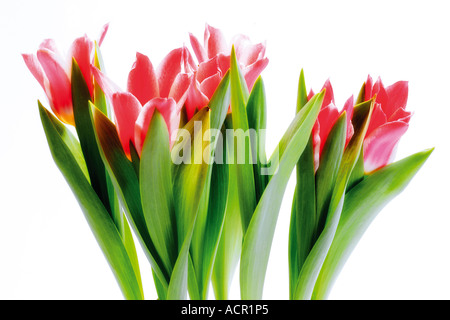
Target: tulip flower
388,123
164,89
53,72
214,61
327,117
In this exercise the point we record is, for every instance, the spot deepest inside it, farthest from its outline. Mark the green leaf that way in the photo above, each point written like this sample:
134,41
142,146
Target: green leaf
156,191
85,131
330,161
199,224
362,204
258,239
229,250
256,112
190,181
126,184
99,97
311,267
303,213
98,218
242,161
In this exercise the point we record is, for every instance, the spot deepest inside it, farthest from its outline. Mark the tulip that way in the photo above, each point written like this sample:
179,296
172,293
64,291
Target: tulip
164,89
53,72
388,123
325,120
214,61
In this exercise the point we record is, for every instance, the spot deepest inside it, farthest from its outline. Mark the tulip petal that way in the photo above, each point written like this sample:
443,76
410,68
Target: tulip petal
195,99
252,72
59,85
209,85
50,45
199,51
246,52
108,87
168,69
348,108
165,106
368,88
327,117
377,119
397,94
223,63
402,115
142,81
380,144
207,69
126,110
81,50
102,34
215,42
382,97
179,90
329,95
35,68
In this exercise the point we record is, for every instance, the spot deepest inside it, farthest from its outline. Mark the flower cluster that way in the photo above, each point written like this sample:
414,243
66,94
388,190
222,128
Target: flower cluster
196,220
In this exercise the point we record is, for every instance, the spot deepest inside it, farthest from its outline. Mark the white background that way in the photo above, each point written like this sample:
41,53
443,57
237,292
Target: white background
46,248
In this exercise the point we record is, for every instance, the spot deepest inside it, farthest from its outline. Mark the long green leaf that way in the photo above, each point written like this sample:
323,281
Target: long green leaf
258,239
81,110
311,267
242,156
197,223
126,184
98,218
330,161
256,112
362,205
156,191
303,212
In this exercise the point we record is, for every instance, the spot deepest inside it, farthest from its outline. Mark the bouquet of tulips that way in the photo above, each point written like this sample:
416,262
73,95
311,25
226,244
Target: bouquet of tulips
177,161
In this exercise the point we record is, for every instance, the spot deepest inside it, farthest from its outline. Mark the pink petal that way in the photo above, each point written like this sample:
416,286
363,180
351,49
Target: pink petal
199,51
246,52
102,34
401,114
59,85
368,88
207,69
165,106
316,144
329,95
377,119
108,87
380,144
142,81
215,42
195,99
252,72
168,69
126,110
209,85
382,98
223,63
50,45
81,50
179,90
310,95
327,117
35,68
348,108
397,94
